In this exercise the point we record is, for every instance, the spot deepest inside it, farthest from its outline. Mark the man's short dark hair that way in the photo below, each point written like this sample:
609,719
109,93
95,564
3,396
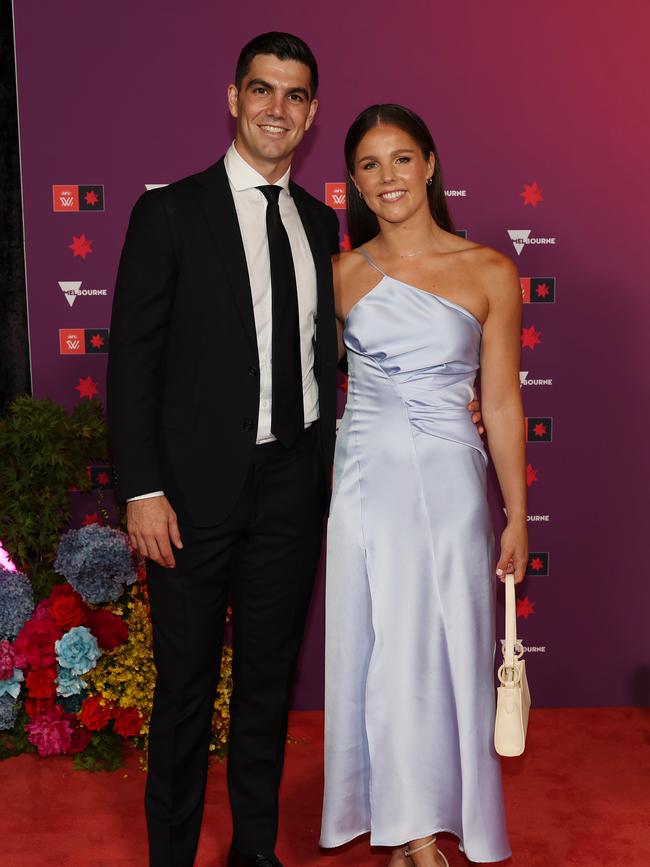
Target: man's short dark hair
284,46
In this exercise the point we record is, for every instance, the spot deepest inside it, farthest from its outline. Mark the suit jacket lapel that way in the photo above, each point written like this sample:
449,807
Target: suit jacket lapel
219,208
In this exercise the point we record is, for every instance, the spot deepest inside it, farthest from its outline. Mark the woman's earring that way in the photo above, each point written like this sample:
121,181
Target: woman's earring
360,194
429,181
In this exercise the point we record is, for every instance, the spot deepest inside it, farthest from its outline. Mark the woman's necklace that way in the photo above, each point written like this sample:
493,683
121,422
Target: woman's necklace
417,252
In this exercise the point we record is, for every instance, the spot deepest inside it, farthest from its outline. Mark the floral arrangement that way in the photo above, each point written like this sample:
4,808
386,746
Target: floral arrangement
76,660
76,669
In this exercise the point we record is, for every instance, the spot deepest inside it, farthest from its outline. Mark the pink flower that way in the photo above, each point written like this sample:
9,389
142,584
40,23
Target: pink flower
7,660
50,731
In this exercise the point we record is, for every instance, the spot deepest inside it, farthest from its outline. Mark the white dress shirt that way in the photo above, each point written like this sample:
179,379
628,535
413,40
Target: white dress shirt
250,205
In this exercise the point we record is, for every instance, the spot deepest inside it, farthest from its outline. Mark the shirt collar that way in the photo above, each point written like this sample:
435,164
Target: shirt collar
243,176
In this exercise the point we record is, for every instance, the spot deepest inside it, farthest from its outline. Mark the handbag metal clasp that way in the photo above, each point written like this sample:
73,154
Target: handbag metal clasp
509,676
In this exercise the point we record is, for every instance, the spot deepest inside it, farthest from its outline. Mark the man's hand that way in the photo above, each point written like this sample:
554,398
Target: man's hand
475,408
151,526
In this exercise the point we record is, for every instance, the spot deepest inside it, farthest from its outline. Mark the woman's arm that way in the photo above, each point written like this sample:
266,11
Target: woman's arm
338,269
503,413
339,338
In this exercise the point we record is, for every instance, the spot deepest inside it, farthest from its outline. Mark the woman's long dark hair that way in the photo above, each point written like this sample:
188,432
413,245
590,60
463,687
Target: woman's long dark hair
362,223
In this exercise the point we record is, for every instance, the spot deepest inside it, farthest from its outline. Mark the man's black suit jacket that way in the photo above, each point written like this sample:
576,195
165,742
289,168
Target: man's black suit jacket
183,374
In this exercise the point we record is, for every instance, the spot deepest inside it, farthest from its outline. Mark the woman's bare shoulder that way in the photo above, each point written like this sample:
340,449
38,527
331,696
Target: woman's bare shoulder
345,264
494,271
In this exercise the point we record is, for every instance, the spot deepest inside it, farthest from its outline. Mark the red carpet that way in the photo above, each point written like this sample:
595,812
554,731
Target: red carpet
579,797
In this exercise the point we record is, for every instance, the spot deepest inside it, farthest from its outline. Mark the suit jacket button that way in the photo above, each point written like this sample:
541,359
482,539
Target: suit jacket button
248,424
253,371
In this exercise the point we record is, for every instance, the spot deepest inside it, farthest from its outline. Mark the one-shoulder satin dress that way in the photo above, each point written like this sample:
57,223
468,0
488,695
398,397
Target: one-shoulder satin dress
410,634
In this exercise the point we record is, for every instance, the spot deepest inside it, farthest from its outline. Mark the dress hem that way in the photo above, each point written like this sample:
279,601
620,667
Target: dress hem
461,847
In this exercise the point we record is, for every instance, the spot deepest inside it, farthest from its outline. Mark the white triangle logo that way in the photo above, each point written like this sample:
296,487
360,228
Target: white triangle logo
70,289
519,238
155,186
523,376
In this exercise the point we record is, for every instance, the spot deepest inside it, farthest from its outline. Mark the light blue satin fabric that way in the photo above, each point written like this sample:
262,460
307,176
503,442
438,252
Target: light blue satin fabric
410,637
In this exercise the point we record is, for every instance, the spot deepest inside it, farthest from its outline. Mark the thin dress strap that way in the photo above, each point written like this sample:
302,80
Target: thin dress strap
362,250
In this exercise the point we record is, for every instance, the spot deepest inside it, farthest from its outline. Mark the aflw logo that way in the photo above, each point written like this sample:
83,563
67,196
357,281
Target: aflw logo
335,195
77,197
521,238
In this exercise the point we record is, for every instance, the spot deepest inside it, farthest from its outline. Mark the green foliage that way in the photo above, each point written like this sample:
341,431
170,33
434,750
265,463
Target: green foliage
14,742
103,753
44,453
43,580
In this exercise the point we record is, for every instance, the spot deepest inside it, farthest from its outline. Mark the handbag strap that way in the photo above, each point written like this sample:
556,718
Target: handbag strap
511,622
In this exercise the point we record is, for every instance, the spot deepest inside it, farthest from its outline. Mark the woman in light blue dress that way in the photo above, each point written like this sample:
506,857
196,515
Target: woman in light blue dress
411,570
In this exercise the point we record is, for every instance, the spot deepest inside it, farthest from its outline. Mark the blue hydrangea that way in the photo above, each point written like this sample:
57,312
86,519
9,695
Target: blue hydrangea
97,562
8,712
16,603
77,650
12,686
67,683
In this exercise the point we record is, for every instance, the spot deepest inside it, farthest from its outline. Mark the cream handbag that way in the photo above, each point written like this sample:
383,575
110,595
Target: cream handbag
513,695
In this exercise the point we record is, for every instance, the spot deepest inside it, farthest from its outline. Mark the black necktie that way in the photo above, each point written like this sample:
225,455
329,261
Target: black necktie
287,410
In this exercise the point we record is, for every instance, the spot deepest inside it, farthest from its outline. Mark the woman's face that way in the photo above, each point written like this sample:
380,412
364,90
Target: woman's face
391,173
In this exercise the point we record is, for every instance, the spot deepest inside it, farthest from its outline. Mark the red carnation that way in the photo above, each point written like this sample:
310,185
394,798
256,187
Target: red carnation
79,739
42,610
67,607
40,683
109,629
96,712
34,645
36,706
128,722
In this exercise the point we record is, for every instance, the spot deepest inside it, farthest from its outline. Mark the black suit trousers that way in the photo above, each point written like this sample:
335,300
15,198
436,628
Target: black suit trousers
265,555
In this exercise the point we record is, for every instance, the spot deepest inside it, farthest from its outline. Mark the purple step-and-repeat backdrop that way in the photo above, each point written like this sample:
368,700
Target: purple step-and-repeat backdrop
537,112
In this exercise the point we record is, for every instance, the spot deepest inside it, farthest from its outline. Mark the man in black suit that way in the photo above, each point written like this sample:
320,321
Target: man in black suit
221,392
222,414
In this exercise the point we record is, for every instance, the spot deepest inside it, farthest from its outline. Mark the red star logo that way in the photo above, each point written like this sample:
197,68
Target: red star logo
90,519
103,478
525,608
87,387
542,290
345,242
530,337
80,246
91,198
97,341
343,384
540,430
532,194
531,475
536,564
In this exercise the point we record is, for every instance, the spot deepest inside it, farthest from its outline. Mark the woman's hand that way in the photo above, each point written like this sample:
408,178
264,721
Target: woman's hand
514,551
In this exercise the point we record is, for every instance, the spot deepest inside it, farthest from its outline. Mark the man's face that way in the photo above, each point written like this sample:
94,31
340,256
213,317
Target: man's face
274,109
